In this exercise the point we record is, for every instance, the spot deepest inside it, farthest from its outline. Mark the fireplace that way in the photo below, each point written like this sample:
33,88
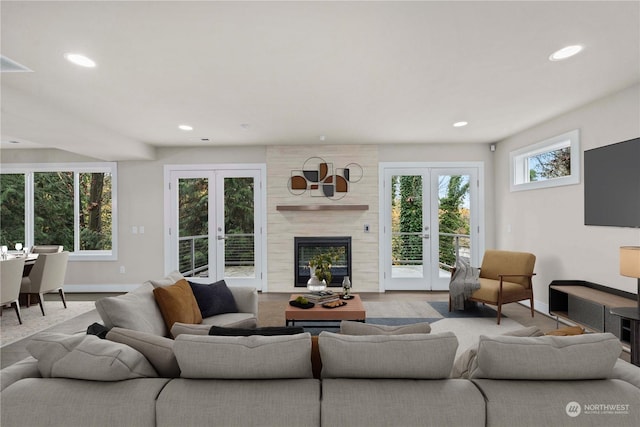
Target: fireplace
306,248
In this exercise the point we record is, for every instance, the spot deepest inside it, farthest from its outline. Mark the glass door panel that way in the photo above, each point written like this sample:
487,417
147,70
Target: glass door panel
238,235
193,227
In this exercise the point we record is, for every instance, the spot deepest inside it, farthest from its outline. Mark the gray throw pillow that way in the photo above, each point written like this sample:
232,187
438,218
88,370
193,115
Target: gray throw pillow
157,350
467,360
87,357
349,327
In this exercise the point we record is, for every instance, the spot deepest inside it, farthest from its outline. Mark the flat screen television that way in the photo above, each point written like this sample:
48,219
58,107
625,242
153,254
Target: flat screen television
612,185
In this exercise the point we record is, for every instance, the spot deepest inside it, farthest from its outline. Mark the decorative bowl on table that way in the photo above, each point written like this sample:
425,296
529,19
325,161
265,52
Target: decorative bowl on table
299,304
334,304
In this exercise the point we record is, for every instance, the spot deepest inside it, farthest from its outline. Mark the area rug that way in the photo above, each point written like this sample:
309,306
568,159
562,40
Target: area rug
467,325
33,321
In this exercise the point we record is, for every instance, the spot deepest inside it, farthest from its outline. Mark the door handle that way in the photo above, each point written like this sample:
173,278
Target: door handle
426,236
222,238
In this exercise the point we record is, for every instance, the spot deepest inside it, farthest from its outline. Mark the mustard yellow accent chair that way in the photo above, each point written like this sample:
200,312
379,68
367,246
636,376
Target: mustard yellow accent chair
505,277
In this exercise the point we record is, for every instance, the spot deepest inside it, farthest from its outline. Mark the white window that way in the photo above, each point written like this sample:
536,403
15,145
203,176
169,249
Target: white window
73,205
550,163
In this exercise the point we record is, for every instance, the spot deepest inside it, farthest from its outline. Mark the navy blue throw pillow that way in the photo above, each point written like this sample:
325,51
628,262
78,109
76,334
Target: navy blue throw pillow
215,298
246,332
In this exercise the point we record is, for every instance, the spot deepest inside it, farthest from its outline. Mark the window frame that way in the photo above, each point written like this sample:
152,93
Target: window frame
519,167
29,169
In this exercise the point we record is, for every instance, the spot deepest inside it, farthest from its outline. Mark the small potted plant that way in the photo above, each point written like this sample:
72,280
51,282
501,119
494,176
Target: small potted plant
320,265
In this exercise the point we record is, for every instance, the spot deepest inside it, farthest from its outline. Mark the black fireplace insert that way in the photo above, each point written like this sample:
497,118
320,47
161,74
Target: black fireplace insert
306,248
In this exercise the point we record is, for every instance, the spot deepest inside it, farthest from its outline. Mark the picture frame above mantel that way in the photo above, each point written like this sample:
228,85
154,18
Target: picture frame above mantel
303,208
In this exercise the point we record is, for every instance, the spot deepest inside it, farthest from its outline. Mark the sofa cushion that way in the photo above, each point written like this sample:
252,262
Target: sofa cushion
158,350
135,310
171,279
467,359
254,357
349,327
415,356
177,303
213,299
87,357
247,332
578,357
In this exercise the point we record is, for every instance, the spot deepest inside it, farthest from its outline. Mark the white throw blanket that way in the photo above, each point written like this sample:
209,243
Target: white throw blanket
464,281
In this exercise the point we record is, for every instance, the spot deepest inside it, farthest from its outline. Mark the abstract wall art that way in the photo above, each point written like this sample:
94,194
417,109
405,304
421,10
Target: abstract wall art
320,179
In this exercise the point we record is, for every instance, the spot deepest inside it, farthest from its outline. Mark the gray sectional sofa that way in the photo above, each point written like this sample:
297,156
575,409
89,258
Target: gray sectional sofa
366,380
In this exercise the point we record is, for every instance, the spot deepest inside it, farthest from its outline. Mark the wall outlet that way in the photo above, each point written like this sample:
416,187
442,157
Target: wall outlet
141,229
122,269
134,230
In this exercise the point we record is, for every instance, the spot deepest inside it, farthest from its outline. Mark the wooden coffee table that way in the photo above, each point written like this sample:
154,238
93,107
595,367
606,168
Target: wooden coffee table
353,310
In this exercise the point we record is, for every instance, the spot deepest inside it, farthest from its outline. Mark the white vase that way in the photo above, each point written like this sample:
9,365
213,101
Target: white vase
314,284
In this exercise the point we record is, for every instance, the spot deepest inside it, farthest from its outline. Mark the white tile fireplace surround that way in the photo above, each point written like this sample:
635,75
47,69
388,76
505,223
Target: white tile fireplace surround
284,225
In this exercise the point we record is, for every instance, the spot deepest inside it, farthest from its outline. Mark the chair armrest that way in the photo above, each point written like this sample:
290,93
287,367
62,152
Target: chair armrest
246,298
517,275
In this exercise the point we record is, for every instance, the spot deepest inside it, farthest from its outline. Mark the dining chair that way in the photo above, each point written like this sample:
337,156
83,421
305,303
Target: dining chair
10,281
46,249
47,275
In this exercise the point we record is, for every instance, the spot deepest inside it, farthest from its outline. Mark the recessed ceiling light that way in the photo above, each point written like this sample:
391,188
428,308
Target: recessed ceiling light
565,52
185,127
460,124
79,59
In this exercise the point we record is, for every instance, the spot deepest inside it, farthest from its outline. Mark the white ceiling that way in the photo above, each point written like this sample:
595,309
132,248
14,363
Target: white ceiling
355,72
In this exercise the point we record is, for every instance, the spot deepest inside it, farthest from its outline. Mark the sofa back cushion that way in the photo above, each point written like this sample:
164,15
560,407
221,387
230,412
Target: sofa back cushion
252,357
579,357
415,356
135,310
87,357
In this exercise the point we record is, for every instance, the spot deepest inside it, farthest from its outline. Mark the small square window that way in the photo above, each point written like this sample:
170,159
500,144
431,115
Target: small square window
550,163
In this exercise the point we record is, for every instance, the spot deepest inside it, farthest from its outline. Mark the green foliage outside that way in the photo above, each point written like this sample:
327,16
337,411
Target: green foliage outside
411,217
452,218
53,219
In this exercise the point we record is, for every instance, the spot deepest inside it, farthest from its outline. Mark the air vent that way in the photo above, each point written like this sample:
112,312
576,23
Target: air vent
10,66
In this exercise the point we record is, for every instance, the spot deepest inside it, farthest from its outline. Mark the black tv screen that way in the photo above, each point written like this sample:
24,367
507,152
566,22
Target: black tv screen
612,185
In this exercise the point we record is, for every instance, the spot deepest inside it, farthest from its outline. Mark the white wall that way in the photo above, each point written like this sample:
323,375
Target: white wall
141,192
550,222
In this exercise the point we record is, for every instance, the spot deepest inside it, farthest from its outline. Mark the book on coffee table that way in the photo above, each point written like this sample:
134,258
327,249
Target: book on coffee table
321,296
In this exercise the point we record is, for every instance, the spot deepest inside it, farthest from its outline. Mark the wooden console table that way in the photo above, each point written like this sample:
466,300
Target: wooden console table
589,305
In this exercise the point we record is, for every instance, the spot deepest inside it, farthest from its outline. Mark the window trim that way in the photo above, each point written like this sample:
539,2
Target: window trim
28,169
518,165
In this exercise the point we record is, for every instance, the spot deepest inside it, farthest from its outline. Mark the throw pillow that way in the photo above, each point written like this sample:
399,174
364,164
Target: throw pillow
172,278
157,350
136,310
287,356
213,299
349,327
177,304
247,332
467,360
87,357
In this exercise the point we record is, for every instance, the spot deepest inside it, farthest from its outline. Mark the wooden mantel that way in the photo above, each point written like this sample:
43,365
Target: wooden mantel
300,208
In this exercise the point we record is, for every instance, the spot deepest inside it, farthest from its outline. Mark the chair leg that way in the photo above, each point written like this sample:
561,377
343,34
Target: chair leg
41,301
449,303
16,305
64,301
531,299
499,312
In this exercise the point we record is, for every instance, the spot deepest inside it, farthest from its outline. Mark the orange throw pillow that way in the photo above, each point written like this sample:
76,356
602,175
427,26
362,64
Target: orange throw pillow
177,304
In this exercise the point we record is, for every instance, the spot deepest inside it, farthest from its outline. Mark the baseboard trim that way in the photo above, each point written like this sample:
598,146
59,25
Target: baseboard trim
89,289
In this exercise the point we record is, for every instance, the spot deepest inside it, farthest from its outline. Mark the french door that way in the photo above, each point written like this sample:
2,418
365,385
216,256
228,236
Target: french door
215,224
430,216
